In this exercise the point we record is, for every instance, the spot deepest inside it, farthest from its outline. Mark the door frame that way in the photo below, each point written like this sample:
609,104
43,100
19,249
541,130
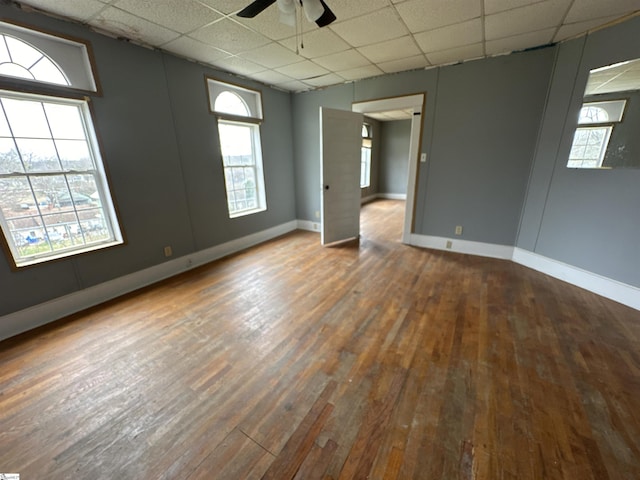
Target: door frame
417,103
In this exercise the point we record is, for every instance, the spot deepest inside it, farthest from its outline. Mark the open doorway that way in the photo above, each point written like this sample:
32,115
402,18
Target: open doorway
398,108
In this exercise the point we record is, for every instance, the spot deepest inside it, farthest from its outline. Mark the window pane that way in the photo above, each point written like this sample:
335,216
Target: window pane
9,159
21,53
47,71
13,70
228,102
38,155
74,154
243,177
26,118
65,121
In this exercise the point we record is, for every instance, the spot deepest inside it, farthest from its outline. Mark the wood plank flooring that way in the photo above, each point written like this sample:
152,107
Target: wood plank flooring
368,360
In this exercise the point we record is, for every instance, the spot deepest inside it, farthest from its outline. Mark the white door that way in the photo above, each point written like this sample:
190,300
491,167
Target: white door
340,146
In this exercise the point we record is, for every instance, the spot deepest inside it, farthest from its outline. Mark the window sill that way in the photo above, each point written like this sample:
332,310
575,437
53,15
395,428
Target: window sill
244,213
70,253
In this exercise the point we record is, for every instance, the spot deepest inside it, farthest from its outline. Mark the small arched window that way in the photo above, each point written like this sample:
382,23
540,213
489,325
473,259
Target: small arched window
21,60
231,103
591,114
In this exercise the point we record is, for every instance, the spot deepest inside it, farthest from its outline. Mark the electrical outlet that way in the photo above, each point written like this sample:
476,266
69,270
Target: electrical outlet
459,230
316,226
449,243
167,251
317,213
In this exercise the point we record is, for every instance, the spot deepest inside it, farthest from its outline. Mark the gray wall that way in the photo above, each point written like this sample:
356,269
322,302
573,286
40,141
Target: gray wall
480,128
585,218
159,145
395,138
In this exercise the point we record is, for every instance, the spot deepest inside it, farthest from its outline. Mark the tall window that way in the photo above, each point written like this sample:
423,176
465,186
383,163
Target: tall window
239,114
365,157
54,198
595,124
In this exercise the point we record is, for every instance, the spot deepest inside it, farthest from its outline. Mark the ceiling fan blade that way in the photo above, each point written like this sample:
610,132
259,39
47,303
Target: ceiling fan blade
327,17
255,8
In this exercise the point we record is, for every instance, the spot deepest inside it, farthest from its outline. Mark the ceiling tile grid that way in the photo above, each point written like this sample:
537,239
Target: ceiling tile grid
369,37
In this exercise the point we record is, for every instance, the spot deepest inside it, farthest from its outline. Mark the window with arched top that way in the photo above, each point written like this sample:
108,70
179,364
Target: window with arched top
22,60
239,112
232,103
596,122
591,114
54,195
365,156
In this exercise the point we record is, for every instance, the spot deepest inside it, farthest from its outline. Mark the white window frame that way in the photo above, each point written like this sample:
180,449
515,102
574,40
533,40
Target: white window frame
81,232
595,118
365,156
72,57
252,100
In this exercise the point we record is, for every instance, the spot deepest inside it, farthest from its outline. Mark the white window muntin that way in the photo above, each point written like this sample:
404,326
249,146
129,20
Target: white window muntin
95,170
70,56
589,146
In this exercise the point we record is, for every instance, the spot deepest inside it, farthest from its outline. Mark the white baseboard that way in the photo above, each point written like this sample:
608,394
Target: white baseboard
308,225
392,196
369,198
41,314
612,289
462,246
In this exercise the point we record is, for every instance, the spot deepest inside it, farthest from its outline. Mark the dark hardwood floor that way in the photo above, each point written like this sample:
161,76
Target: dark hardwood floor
293,361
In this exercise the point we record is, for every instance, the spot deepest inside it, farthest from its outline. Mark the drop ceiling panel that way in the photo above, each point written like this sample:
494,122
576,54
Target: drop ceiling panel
404,64
302,70
271,77
317,43
495,6
272,55
360,72
519,42
325,80
458,35
454,55
347,9
75,9
573,29
525,19
238,65
135,28
582,10
268,24
372,28
225,6
179,15
421,15
391,49
230,36
190,48
342,61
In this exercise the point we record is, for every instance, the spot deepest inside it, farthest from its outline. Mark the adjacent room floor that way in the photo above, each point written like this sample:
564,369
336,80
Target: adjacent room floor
368,360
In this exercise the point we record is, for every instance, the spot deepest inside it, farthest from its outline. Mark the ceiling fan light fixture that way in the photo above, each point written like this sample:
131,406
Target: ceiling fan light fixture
313,9
287,10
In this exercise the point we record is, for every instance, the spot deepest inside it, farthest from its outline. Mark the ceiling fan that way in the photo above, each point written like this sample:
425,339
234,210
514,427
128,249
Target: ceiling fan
315,10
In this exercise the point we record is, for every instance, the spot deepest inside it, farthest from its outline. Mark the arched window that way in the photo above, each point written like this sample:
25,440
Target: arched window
229,102
591,114
54,200
239,112
20,59
365,156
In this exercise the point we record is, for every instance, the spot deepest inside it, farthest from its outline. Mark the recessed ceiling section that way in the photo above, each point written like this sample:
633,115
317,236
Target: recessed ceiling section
368,38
